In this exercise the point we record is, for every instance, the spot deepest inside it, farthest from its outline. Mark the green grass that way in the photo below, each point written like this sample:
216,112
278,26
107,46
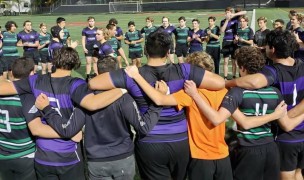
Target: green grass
76,22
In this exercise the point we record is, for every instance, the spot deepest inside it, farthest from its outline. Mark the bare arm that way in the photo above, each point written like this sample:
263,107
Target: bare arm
39,129
217,117
297,110
119,37
123,55
93,102
83,42
223,28
253,81
212,81
157,97
7,88
36,44
95,83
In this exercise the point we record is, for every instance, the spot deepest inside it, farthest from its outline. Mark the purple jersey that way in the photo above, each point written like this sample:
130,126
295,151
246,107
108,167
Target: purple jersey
90,35
231,29
31,38
54,46
56,152
172,124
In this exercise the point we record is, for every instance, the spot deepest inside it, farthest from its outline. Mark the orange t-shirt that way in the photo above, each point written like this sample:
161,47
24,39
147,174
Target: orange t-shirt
206,140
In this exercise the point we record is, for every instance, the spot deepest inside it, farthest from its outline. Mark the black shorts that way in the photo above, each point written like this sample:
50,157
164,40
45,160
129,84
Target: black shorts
163,160
181,50
44,57
257,162
32,55
91,51
135,54
74,172
291,155
7,61
228,48
20,168
210,169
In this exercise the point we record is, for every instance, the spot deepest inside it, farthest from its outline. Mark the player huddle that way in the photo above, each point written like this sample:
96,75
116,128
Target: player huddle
177,111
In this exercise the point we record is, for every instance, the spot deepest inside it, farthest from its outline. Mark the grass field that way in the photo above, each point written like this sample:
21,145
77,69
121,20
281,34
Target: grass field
76,22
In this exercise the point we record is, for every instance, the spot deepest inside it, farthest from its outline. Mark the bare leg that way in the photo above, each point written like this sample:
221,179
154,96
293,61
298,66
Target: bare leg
88,64
43,70
225,67
95,65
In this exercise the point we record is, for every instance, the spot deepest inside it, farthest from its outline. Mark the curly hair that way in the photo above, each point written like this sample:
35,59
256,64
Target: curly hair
250,58
201,59
66,58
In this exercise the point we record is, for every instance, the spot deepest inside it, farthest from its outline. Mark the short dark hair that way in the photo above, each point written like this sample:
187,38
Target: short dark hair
9,24
107,64
283,41
182,18
292,12
60,19
252,63
280,21
131,23
110,26
22,67
66,58
113,21
24,23
196,20
90,17
212,17
158,44
229,9
150,19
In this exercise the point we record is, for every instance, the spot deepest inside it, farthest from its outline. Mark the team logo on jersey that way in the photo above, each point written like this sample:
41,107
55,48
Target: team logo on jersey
33,110
32,36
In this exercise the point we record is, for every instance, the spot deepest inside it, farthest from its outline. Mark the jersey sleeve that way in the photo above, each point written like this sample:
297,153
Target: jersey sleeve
83,33
36,36
270,73
68,34
127,37
182,99
251,34
29,109
18,37
142,123
232,99
79,90
119,32
140,35
142,31
107,49
196,74
66,128
218,31
118,78
23,86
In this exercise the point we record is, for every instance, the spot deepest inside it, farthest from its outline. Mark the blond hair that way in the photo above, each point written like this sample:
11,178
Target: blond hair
201,59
